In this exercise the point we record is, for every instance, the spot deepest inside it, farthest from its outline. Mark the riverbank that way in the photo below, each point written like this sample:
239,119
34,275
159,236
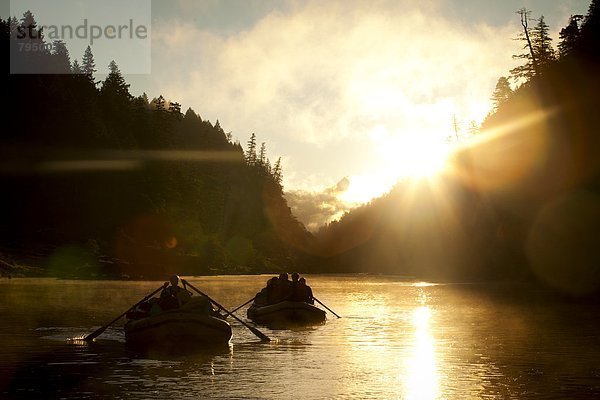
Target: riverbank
10,269
72,262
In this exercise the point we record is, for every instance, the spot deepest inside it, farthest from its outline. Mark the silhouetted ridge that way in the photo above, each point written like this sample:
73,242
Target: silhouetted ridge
108,183
522,201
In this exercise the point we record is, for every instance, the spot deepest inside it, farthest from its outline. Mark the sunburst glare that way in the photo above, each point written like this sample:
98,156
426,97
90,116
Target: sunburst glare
399,156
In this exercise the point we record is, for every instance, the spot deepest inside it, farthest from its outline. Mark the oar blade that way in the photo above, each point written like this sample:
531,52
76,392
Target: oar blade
94,334
261,335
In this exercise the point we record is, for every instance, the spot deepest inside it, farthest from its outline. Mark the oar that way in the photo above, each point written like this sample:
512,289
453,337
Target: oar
100,330
258,333
329,309
238,307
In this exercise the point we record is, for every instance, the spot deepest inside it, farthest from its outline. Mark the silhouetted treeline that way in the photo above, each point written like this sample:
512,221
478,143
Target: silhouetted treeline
522,201
96,181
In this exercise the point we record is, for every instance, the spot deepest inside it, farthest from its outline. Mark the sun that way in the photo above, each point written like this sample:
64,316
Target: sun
411,155
416,156
420,157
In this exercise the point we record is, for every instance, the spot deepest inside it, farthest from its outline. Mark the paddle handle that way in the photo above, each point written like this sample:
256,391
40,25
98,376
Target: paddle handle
238,307
329,309
100,330
258,333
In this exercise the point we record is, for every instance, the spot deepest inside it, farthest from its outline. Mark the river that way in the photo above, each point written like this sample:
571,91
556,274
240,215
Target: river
397,339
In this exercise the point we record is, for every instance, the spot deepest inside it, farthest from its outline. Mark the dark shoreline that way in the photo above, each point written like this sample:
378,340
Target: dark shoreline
20,266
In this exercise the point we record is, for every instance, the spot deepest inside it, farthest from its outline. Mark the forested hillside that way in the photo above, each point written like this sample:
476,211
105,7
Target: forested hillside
521,200
99,182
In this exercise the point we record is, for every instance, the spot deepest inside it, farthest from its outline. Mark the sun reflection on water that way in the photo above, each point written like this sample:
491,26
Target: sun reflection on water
422,379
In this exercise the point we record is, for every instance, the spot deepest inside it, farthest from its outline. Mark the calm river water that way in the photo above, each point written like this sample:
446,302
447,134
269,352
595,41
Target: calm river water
396,339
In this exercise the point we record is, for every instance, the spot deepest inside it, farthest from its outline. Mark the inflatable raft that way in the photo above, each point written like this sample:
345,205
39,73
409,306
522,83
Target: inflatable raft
286,314
184,327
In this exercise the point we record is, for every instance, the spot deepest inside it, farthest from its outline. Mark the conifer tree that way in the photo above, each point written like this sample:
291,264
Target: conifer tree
569,36
538,43
262,155
218,127
159,103
88,65
28,29
61,61
251,152
76,68
590,31
542,44
501,93
28,32
141,104
175,108
115,84
11,27
191,114
278,172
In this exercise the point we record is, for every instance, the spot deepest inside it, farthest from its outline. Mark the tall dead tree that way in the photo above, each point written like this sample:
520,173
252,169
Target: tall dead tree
525,24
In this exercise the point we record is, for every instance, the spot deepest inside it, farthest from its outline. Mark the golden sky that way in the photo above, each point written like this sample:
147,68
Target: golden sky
353,88
363,90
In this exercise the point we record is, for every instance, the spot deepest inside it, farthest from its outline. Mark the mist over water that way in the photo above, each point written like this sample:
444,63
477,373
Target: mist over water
396,339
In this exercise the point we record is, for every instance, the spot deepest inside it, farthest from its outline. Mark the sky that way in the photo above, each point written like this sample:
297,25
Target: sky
353,94
338,88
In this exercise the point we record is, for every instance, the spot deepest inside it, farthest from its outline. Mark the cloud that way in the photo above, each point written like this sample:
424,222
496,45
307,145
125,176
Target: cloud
313,74
315,209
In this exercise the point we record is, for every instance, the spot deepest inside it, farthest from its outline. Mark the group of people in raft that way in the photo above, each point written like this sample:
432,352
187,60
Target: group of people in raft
173,296
280,289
